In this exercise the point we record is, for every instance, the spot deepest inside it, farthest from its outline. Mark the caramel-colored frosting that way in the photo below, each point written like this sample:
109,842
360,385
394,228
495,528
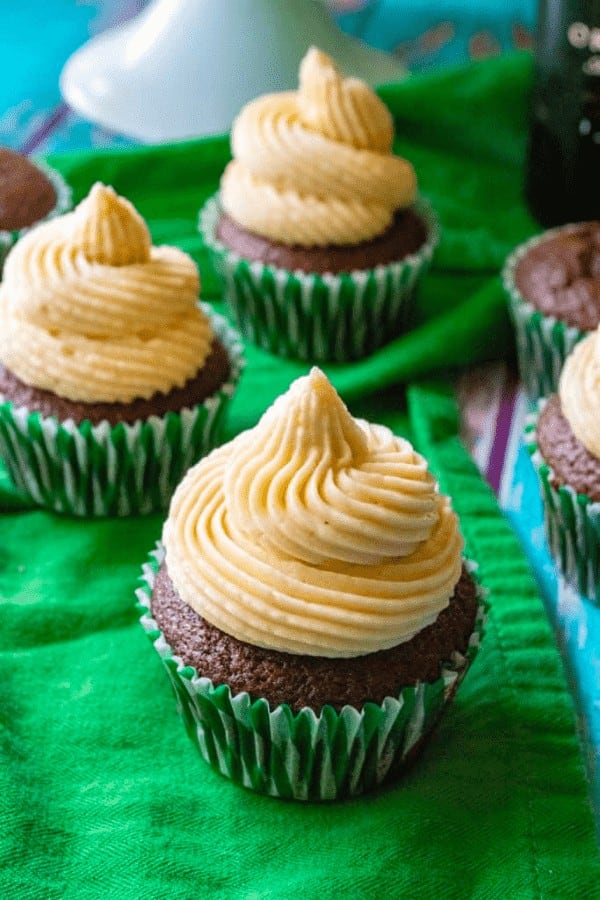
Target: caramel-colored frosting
314,532
314,166
579,391
90,310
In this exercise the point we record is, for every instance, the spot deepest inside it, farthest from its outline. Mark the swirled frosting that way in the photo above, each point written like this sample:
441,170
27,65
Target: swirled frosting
314,166
90,310
314,532
579,392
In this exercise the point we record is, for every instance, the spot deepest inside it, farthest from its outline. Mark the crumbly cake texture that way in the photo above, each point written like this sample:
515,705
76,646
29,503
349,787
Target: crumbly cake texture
308,681
404,236
26,193
560,275
571,463
207,380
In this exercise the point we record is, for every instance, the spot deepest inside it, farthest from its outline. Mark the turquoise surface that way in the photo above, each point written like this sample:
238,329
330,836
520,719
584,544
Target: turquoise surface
576,620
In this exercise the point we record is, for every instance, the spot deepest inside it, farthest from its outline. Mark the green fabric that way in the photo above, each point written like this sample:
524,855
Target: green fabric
101,792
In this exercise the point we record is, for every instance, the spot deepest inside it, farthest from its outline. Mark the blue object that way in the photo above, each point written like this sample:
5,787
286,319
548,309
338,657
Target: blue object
576,621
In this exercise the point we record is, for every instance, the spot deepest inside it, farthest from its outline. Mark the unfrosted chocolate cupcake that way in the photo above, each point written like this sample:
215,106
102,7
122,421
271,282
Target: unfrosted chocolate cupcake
317,230
29,193
113,379
564,440
312,585
553,286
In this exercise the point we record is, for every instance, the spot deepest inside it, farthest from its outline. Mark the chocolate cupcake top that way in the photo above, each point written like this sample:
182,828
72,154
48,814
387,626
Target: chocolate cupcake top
560,275
26,194
314,167
91,311
579,392
314,533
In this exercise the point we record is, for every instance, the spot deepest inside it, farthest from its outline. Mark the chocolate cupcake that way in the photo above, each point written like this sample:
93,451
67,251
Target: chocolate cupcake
553,287
113,379
317,230
30,192
310,601
564,441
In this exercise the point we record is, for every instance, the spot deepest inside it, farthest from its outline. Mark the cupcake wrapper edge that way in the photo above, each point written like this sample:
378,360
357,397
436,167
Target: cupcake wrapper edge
63,204
318,317
123,469
303,756
571,522
543,341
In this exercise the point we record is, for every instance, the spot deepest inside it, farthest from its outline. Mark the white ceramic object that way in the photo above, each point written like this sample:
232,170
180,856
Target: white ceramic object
184,68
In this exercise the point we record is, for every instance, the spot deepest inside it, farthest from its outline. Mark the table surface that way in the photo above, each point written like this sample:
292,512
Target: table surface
34,119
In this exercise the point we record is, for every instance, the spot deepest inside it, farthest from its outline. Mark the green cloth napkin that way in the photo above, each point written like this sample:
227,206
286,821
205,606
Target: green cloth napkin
101,792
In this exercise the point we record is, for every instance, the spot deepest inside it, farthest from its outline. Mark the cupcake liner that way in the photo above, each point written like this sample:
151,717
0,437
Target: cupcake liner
62,205
318,317
303,756
571,521
120,470
543,341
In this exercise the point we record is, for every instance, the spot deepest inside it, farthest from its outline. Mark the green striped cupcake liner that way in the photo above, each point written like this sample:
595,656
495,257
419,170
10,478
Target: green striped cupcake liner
543,342
571,521
114,470
63,204
318,317
306,755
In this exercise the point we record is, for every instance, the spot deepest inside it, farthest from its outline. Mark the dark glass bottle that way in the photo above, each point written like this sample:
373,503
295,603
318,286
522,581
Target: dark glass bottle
563,163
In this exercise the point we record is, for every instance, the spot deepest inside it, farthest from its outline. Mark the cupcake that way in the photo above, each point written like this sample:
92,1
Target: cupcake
564,440
29,193
310,601
553,287
317,229
113,380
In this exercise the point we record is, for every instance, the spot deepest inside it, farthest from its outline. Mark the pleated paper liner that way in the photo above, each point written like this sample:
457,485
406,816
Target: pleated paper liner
306,755
543,341
114,470
318,317
62,205
571,522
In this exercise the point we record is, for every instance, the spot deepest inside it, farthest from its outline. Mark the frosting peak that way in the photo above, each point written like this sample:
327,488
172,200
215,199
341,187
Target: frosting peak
314,532
90,310
314,166
343,109
318,418
109,229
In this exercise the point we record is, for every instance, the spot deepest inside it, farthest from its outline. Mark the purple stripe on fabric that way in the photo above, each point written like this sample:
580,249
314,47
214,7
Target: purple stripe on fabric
504,421
56,118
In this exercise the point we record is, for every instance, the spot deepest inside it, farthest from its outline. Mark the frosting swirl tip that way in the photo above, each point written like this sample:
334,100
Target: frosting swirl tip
109,230
314,532
91,311
315,166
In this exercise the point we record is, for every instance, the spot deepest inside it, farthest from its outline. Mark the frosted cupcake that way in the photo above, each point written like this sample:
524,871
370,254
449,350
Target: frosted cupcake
564,440
553,287
113,380
317,230
311,604
29,193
